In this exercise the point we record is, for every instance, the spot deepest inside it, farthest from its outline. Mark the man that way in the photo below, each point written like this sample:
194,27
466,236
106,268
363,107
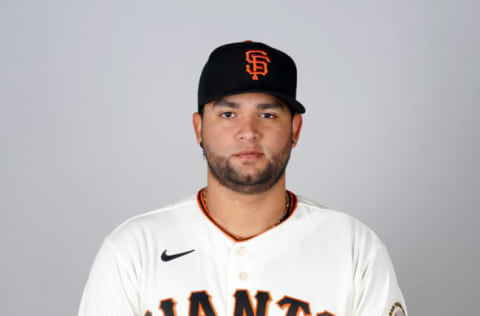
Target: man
244,245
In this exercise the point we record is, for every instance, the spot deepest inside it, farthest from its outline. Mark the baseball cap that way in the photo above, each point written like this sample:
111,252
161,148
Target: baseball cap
249,67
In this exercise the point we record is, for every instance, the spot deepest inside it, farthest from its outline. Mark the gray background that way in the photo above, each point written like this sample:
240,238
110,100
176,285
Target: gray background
95,127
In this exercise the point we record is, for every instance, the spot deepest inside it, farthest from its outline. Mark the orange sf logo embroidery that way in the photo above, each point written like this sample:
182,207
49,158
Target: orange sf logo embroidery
257,60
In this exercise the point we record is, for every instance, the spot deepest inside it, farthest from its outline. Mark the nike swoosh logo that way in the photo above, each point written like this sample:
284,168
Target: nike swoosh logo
166,257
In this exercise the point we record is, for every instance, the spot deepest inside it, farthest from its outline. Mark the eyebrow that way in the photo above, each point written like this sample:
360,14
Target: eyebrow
223,102
235,105
268,106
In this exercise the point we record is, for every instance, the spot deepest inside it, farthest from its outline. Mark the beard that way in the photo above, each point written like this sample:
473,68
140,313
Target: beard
261,181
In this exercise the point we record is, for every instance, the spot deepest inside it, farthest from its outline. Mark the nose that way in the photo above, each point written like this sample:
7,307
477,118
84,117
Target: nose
248,130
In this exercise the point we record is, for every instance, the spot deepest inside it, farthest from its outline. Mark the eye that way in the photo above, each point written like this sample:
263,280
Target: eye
268,115
227,114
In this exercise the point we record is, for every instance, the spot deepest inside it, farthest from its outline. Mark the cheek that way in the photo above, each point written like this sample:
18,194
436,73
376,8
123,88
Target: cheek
280,136
216,138
276,141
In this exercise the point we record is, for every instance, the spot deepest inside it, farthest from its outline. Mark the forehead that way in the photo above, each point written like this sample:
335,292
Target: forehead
248,99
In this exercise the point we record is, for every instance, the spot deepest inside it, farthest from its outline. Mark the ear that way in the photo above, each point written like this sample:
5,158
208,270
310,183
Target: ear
197,126
296,128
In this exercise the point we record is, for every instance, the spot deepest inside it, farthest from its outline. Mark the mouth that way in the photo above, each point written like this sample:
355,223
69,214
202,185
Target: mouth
248,154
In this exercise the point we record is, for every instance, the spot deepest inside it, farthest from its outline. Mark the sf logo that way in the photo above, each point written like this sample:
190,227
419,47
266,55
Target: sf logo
257,63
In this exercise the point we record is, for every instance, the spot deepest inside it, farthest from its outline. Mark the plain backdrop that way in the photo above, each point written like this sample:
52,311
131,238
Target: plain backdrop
95,127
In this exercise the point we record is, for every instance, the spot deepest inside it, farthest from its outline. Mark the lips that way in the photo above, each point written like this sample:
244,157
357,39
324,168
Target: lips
248,154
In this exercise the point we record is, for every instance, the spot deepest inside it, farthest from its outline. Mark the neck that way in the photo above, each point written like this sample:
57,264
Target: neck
246,215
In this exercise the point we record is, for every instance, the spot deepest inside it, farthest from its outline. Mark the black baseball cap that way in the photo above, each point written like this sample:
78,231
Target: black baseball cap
249,67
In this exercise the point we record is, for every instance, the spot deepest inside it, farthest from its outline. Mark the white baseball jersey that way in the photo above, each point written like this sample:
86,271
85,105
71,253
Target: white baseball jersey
177,261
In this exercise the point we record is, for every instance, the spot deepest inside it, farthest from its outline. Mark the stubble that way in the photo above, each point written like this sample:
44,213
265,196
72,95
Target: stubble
227,175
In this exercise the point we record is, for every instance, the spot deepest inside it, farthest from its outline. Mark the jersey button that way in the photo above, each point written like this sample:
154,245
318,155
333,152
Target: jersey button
243,276
241,251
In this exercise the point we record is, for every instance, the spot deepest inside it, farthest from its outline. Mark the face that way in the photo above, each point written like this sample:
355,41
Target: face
247,139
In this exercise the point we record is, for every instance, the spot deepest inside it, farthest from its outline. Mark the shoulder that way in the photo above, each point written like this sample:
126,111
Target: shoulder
319,213
147,226
337,224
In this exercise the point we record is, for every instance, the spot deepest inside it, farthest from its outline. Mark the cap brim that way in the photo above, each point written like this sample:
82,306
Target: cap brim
293,104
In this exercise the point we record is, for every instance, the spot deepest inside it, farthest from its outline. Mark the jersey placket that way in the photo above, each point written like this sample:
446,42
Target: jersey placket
238,273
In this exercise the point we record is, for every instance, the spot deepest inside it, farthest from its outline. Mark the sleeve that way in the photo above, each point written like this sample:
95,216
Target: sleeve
376,288
112,286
